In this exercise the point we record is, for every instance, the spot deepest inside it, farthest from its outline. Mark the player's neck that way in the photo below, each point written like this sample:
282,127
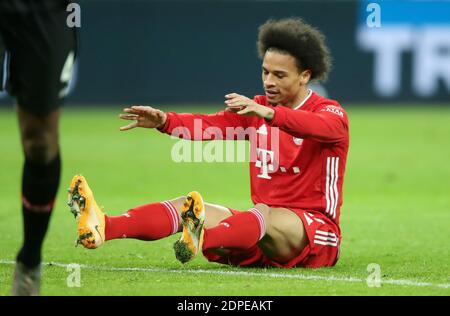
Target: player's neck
299,99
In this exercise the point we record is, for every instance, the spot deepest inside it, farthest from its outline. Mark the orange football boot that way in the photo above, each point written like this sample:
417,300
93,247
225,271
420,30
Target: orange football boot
89,216
193,221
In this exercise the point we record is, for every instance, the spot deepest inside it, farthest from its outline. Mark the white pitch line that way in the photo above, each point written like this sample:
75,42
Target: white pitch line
245,273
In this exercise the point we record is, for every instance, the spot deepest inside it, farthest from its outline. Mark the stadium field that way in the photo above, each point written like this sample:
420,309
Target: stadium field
396,210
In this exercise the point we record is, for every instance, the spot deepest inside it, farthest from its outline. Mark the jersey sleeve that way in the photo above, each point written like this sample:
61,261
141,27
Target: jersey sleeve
218,126
327,123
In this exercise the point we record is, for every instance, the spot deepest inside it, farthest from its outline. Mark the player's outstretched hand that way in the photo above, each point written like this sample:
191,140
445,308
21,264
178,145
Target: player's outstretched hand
143,116
245,106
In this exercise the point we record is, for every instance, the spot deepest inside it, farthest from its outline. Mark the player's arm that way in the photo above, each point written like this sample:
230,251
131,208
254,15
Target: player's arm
328,124
183,125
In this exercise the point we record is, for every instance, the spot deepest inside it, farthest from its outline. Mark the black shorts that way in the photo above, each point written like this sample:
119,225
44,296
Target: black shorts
37,54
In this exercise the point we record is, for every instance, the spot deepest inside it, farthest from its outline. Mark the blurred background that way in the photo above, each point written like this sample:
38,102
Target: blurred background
189,51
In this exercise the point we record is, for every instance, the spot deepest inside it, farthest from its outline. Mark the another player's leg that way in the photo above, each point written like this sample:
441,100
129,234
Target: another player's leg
40,180
40,54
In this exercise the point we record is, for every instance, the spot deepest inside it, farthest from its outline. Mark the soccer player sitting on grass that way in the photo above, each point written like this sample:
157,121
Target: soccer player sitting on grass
296,178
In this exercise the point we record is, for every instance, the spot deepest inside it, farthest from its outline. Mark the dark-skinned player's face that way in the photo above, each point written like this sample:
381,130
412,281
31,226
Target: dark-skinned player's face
283,82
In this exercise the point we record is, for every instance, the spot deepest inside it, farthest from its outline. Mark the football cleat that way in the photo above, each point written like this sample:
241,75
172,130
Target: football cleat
89,216
27,281
193,221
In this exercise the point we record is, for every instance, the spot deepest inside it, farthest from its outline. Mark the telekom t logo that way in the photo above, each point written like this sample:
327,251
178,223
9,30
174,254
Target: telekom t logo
267,159
264,161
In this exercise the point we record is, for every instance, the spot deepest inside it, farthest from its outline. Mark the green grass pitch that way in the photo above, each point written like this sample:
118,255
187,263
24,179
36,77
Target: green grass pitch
396,210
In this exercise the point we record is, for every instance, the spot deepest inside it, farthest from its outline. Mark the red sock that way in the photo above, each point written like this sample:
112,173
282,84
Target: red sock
240,231
147,222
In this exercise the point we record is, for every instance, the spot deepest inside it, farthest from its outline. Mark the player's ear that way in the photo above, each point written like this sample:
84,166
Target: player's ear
305,76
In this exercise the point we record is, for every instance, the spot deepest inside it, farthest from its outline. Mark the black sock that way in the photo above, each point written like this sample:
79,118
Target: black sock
39,187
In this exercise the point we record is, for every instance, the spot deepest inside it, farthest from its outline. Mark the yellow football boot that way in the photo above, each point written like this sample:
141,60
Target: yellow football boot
193,217
89,216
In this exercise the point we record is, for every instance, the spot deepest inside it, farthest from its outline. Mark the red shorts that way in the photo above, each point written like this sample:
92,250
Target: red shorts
322,250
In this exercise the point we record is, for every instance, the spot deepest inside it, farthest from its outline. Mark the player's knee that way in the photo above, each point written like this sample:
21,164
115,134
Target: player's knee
36,150
262,207
40,147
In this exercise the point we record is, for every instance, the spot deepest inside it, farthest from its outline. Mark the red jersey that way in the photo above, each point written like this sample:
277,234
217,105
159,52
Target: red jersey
300,155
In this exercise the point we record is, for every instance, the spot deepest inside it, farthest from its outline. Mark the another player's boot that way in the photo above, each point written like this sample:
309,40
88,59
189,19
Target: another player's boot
89,216
27,281
193,216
